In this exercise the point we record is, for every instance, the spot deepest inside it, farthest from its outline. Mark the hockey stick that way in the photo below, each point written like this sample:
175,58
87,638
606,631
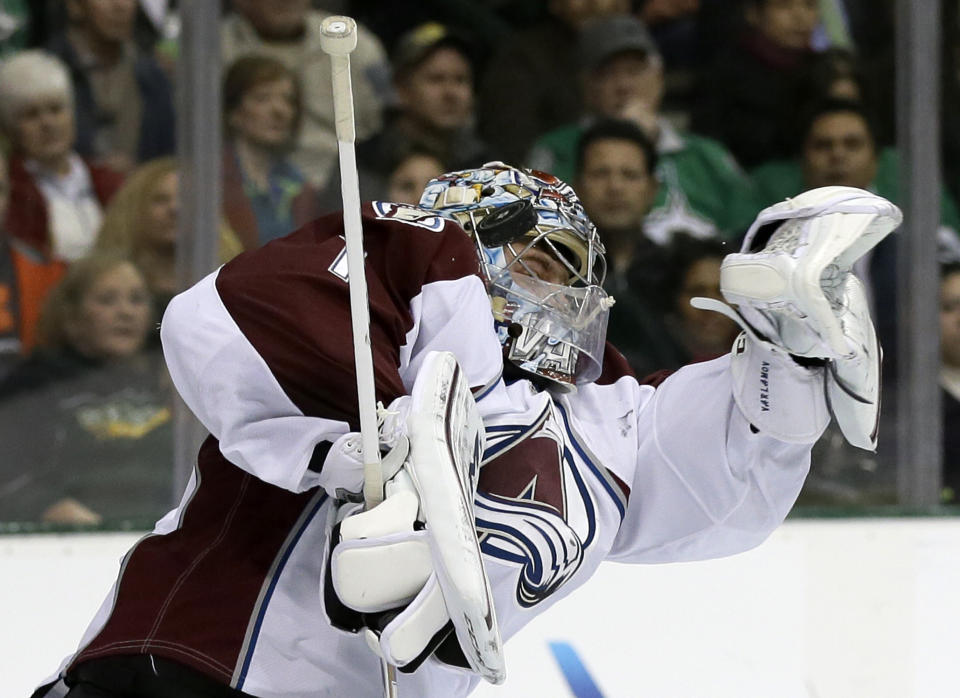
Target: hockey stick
338,38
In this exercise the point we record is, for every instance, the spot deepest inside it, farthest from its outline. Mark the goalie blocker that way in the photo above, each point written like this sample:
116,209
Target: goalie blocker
408,573
802,308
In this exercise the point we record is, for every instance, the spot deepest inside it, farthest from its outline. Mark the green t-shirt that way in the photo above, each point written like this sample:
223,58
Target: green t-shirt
702,189
779,179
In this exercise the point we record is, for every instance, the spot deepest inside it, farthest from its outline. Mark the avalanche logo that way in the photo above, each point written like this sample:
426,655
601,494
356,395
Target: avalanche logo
532,536
522,507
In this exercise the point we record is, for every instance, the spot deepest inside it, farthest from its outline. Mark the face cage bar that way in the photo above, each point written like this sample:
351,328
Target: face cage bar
595,250
548,301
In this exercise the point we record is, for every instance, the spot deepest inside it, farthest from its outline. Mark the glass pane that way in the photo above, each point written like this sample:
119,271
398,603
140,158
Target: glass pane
87,265
89,249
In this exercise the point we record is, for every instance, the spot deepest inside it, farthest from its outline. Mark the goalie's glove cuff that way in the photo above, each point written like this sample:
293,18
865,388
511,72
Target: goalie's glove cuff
779,397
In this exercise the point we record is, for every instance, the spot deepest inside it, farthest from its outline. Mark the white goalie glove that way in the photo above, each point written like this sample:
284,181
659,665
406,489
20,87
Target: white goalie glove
341,474
798,299
408,573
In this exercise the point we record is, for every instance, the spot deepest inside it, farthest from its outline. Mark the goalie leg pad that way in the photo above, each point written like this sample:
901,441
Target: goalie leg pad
778,396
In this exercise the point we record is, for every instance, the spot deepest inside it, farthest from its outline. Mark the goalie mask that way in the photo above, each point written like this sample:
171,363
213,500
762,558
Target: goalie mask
543,264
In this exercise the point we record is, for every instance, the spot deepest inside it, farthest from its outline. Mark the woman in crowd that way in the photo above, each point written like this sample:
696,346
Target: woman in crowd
58,196
86,420
265,196
141,223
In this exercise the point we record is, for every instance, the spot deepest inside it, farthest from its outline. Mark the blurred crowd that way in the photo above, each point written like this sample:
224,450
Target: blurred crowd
675,120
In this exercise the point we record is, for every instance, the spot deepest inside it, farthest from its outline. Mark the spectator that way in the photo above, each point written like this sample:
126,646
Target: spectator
87,418
406,171
431,127
123,105
289,31
674,26
25,279
615,178
838,147
694,270
835,74
433,81
58,196
141,224
265,195
409,177
749,100
702,189
950,377
617,185
527,87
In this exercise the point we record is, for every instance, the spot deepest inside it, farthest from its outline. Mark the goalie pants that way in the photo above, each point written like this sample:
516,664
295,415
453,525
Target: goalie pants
136,676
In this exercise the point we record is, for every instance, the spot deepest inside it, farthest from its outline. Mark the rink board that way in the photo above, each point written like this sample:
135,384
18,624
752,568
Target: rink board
824,609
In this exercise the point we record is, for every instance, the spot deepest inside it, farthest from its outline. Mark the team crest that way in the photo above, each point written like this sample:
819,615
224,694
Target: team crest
530,492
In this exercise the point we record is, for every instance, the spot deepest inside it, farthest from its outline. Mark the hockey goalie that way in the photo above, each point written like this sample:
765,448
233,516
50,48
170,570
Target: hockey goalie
502,403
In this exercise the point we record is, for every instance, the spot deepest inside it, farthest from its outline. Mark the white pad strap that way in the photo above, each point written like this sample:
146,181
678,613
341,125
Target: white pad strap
779,397
381,562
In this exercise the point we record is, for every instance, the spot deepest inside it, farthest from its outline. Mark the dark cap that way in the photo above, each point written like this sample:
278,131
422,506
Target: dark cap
417,44
605,37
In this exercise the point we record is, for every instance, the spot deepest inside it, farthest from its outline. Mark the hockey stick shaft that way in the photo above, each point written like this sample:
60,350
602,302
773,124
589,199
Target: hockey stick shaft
339,38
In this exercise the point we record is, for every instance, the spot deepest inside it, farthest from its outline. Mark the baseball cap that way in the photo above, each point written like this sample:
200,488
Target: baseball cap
417,44
605,37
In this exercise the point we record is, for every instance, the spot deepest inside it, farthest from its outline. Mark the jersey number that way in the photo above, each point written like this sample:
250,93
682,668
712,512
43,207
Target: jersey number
339,267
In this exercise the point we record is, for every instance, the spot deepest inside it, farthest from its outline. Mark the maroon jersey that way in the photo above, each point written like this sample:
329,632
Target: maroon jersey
262,352
229,583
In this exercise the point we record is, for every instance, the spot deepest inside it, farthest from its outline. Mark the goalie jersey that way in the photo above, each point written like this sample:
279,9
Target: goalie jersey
229,583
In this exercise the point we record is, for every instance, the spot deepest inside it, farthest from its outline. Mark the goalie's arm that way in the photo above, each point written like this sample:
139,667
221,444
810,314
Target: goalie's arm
756,413
260,350
707,483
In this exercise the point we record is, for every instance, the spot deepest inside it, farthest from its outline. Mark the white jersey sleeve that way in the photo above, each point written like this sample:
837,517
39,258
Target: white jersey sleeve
705,484
261,350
